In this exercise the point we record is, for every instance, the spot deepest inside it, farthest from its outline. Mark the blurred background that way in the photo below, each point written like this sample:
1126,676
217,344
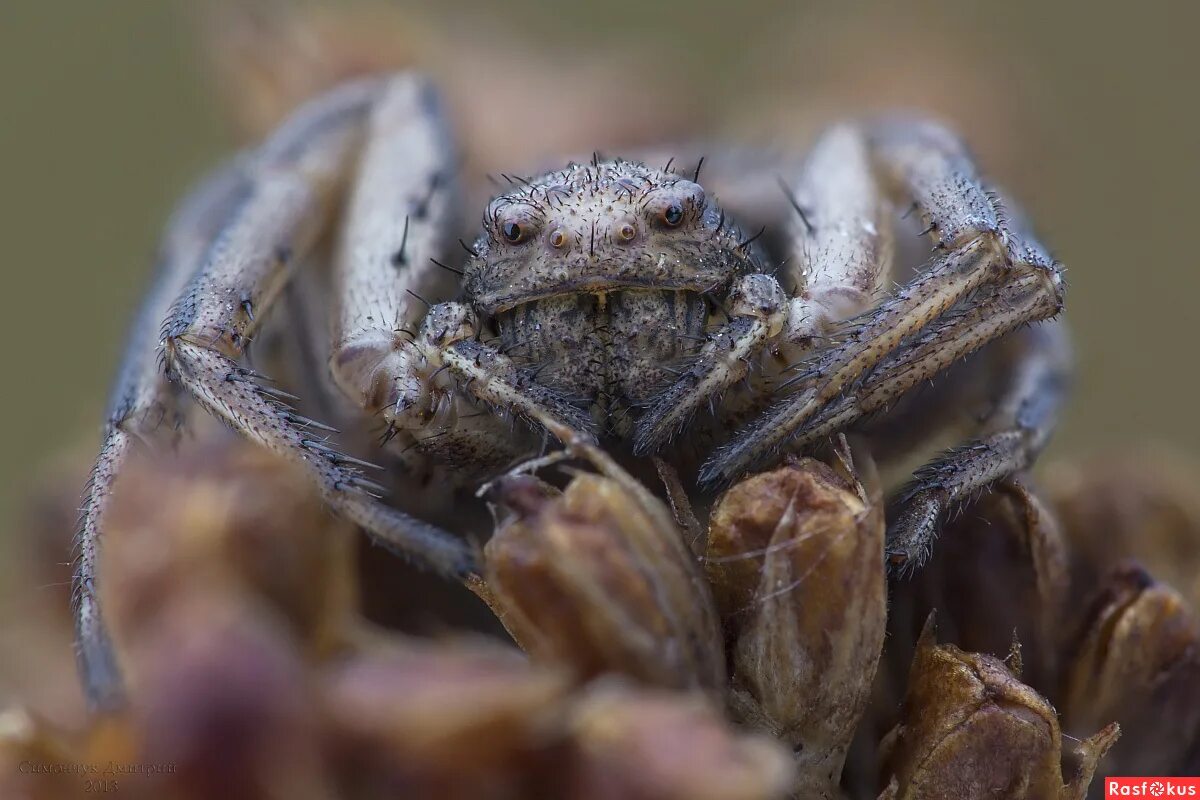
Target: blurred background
1086,112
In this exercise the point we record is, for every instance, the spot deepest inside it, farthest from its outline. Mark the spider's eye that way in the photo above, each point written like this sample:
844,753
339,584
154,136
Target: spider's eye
514,231
627,232
672,215
558,238
512,222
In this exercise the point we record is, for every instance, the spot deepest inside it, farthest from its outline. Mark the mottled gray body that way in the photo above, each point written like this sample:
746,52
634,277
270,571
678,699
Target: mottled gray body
614,351
604,291
610,300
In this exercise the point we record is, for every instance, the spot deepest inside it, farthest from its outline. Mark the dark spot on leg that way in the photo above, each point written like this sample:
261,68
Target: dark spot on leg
400,258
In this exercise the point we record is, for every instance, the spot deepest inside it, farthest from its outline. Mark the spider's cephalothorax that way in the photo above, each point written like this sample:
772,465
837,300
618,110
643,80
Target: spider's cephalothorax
598,275
605,299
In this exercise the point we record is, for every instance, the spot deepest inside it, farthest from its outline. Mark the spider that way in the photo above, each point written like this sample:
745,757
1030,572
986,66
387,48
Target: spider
607,300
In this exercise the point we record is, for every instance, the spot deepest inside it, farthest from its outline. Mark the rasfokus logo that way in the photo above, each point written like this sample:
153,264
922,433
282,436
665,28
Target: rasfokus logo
1151,787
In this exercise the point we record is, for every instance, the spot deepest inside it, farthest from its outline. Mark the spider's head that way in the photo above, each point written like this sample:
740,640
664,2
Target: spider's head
600,227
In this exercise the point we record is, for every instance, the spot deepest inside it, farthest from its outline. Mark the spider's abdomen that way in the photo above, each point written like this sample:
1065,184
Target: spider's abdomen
611,352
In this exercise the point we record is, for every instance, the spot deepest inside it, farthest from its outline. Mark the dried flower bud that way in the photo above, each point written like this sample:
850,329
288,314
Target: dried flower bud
222,700
458,719
240,520
1143,506
269,59
600,579
1138,662
29,749
1000,568
648,745
796,560
971,729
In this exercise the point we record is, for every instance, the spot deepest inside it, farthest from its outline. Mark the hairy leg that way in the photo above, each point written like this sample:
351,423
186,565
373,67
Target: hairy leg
839,238
400,217
389,267
923,162
298,178
758,310
142,401
1033,366
840,249
1010,438
929,353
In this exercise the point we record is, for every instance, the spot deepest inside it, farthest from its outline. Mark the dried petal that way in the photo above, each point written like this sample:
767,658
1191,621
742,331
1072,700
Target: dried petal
599,579
970,729
796,560
1138,662
646,745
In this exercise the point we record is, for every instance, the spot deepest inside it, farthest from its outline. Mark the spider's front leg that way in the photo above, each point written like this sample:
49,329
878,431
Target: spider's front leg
925,165
397,232
297,178
1034,365
758,311
840,249
414,364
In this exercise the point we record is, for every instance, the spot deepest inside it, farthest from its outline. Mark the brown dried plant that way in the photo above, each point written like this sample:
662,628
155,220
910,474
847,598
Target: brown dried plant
756,669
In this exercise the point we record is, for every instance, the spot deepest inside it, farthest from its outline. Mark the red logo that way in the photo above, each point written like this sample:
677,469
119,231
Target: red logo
1151,787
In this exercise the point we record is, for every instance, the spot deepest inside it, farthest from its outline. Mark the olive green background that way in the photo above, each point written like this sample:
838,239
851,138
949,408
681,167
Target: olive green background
1088,112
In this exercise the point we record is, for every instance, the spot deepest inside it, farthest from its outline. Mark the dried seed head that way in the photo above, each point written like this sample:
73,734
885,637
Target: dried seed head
239,521
796,560
599,579
428,717
222,695
971,729
1144,506
647,745
1138,662
1000,568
